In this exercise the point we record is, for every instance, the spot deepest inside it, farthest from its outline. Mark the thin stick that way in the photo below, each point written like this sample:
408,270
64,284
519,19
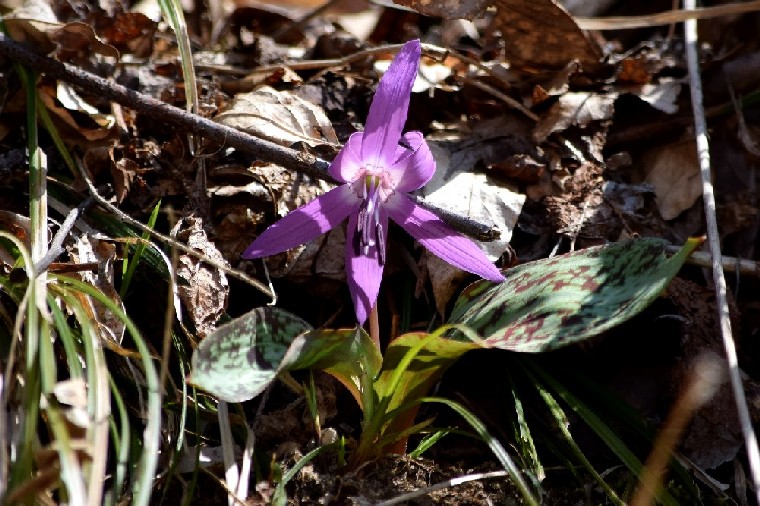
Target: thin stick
713,239
730,264
210,130
666,17
441,486
56,246
235,273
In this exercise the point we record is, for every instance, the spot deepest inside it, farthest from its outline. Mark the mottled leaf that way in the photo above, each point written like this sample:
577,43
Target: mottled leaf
547,304
240,359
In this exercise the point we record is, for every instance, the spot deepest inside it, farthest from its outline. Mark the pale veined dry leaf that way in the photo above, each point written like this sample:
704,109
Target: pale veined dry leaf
279,116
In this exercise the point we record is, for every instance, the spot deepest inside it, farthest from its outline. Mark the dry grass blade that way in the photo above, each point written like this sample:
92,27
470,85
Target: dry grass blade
713,239
666,17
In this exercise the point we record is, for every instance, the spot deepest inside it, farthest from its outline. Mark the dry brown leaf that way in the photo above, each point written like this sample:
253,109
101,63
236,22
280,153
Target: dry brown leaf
444,278
35,23
290,190
541,34
279,116
207,290
575,109
79,39
448,9
31,23
673,172
130,31
324,258
67,106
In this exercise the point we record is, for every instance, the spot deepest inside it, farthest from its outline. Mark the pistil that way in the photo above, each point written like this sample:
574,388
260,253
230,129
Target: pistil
369,231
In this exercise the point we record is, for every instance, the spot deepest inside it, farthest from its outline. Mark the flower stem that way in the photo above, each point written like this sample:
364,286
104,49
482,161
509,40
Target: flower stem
374,326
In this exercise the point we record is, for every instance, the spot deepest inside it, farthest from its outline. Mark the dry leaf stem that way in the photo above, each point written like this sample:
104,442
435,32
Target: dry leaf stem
220,134
713,239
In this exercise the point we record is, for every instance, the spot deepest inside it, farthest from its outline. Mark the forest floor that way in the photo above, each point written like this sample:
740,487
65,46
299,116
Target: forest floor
561,130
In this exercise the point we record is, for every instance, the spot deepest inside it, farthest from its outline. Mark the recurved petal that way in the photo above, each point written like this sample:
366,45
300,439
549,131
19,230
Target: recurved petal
387,114
364,271
414,167
305,223
347,163
439,238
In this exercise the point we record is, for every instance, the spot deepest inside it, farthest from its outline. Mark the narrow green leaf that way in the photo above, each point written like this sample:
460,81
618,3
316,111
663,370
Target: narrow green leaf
547,304
404,380
428,442
130,265
524,438
561,420
498,450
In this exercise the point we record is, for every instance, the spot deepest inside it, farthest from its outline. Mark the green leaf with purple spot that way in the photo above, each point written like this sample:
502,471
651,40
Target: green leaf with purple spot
550,303
241,358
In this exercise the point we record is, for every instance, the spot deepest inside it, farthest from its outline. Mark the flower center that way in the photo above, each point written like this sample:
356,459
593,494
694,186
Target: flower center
369,231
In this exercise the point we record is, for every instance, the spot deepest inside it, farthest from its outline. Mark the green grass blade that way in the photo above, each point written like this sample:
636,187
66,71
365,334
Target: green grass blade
149,458
600,428
428,442
72,473
524,437
130,265
498,450
562,423
279,498
120,443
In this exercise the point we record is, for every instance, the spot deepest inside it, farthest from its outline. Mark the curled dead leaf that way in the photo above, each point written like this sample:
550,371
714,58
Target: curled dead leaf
101,253
206,292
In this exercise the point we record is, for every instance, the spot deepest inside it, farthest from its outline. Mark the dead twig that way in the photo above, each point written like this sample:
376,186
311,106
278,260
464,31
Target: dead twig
214,132
441,486
713,239
730,264
666,17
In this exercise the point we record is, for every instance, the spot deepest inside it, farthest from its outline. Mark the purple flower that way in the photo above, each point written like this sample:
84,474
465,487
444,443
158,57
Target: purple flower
378,166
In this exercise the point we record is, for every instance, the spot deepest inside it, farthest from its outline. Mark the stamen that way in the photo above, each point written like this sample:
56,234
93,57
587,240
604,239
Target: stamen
380,242
368,230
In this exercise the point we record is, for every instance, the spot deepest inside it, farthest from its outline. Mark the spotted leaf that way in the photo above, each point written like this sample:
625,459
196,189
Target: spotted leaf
240,359
547,304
